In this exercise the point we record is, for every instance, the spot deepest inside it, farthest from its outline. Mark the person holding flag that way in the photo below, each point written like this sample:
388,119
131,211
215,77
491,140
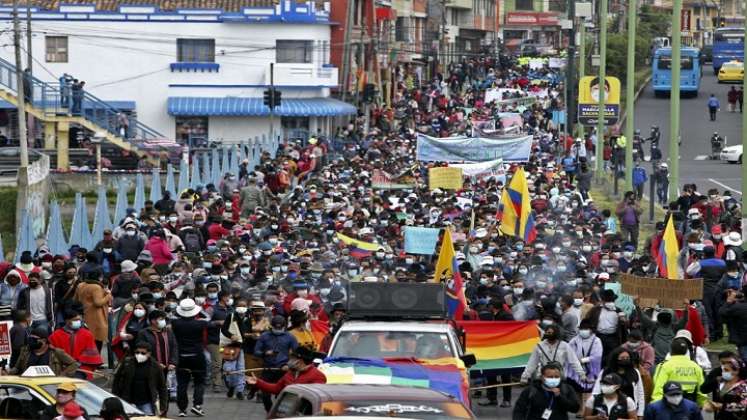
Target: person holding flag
447,270
669,251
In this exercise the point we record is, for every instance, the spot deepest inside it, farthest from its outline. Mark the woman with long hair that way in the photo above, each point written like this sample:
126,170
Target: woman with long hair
621,364
730,402
112,409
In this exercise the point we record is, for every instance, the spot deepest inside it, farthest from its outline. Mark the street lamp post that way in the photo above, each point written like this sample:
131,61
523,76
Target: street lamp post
602,77
674,120
630,96
97,139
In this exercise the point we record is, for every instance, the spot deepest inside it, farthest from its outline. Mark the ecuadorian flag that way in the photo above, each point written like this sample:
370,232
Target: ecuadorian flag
447,270
515,210
669,252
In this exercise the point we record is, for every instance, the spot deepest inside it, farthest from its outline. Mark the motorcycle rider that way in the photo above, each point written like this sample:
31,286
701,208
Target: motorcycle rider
717,144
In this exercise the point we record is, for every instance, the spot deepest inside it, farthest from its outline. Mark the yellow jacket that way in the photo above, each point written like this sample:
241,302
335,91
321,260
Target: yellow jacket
683,370
304,337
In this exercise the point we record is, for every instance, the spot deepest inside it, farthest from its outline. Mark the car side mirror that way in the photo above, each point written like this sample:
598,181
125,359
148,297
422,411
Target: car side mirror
469,359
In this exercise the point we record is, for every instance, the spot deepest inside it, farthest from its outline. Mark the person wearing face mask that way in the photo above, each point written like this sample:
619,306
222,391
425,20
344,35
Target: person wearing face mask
37,301
163,345
66,393
524,309
588,350
274,348
551,349
621,363
609,322
730,402
236,328
123,284
680,368
78,342
300,290
611,403
130,324
629,212
38,352
139,380
673,406
191,365
301,370
644,351
131,244
96,300
10,289
218,314
711,270
548,397
568,318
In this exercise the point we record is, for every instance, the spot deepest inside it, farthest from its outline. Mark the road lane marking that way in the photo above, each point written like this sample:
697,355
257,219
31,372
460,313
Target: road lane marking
701,157
725,186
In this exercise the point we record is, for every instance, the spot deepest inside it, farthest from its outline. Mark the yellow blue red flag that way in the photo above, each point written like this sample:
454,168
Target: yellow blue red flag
669,252
515,211
447,270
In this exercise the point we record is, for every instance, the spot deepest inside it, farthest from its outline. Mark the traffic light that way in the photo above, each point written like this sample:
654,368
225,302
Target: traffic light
276,98
268,101
369,92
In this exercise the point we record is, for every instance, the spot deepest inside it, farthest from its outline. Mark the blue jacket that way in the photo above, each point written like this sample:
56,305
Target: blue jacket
639,176
569,164
281,344
661,410
713,102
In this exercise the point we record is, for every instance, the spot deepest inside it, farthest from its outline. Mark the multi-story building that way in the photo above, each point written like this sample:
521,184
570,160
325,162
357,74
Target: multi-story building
192,69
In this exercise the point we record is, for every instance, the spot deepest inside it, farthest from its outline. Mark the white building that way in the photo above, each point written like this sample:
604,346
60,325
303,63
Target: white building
192,73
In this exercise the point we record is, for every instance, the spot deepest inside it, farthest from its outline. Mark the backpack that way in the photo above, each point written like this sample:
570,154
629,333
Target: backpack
192,241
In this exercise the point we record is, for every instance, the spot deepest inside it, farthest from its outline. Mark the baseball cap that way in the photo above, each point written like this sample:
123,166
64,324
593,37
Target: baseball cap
672,388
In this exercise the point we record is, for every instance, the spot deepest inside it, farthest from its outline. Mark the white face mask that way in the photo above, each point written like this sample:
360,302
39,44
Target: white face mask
578,302
141,358
674,399
727,376
584,333
139,313
608,389
161,323
241,310
518,290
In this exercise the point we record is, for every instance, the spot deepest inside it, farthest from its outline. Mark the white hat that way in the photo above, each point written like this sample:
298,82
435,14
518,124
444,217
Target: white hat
187,308
686,334
733,239
481,233
128,266
300,304
257,304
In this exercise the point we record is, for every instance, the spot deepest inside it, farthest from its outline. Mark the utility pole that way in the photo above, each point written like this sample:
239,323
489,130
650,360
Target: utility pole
630,96
442,60
744,143
29,55
272,103
674,119
602,81
570,80
23,146
346,48
582,64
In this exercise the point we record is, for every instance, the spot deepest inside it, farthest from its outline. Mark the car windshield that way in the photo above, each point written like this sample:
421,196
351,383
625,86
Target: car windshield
382,344
91,397
665,63
392,407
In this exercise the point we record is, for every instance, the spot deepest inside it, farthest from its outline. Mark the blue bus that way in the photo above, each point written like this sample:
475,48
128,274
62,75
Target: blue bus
690,71
728,45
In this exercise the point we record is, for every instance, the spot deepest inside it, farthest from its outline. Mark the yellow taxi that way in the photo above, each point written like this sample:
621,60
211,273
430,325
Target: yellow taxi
732,71
26,396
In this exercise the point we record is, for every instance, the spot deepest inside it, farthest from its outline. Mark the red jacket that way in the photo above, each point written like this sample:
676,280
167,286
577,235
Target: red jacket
216,231
311,375
160,251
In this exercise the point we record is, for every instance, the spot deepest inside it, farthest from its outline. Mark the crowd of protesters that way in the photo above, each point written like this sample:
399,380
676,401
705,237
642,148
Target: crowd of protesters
197,289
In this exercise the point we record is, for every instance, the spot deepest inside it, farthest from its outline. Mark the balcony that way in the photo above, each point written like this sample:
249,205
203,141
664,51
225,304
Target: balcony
303,74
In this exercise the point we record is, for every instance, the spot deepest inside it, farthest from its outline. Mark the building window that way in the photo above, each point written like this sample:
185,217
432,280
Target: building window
524,5
195,50
192,130
294,51
56,49
402,29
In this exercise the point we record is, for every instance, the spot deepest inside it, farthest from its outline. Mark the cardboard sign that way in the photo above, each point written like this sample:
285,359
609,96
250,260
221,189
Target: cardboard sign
447,178
668,293
5,348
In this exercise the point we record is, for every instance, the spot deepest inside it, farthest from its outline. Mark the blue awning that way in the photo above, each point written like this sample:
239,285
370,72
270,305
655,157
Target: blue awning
242,107
120,105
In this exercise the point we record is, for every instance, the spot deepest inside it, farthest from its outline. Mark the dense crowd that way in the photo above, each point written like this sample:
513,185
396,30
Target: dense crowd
200,288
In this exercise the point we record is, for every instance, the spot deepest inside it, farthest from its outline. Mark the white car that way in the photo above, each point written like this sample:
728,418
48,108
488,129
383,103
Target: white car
732,154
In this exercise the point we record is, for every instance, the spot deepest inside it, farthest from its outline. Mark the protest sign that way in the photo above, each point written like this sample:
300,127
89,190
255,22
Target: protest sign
668,293
589,91
5,348
473,149
421,240
382,180
447,178
481,168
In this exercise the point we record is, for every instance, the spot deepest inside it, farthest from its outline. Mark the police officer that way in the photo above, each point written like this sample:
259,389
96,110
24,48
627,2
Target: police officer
679,368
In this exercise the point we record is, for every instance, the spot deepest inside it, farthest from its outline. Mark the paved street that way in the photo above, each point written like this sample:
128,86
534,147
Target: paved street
696,131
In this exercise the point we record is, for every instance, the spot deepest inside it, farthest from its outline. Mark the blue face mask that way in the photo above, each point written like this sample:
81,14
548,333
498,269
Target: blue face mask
292,275
551,382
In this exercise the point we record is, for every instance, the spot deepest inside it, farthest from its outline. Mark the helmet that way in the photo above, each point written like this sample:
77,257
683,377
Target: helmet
655,127
664,165
715,133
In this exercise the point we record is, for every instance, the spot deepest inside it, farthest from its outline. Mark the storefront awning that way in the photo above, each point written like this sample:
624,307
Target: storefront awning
242,107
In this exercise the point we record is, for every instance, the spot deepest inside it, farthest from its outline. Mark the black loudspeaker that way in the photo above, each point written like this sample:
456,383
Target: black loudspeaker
397,300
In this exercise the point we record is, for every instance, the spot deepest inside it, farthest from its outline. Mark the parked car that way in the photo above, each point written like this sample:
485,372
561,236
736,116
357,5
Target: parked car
732,154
